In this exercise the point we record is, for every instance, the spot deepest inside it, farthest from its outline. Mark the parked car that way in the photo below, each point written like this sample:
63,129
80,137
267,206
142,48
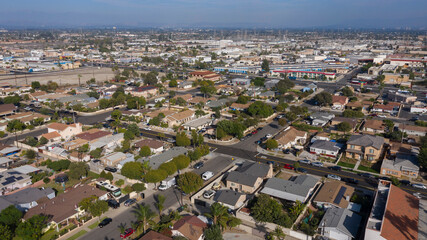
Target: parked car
113,203
105,222
351,180
147,128
405,182
165,184
305,161
127,233
419,185
216,186
317,164
335,168
254,132
207,175
198,165
332,176
96,161
301,170
110,169
208,194
287,151
288,166
130,202
268,136
367,175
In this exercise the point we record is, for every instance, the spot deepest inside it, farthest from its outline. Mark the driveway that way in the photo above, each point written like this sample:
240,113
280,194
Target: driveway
249,144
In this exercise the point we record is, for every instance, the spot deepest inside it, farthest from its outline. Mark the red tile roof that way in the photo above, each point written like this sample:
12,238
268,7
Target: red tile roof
401,216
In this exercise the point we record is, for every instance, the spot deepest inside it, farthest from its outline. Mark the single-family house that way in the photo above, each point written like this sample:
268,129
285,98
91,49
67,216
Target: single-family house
166,156
291,137
334,194
26,198
325,148
339,102
7,109
352,121
190,227
298,189
66,131
243,182
113,159
230,199
372,126
320,119
309,87
340,224
198,123
367,147
413,130
403,165
179,118
11,180
152,235
154,145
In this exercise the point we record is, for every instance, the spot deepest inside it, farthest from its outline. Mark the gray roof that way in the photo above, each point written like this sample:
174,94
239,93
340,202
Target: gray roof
242,178
9,150
26,169
11,176
322,115
366,141
325,145
166,156
343,220
198,122
267,93
301,186
28,195
4,203
77,97
402,162
254,169
217,103
4,160
229,197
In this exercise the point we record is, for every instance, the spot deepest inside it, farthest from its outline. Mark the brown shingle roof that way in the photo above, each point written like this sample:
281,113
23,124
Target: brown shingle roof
51,135
329,192
339,99
374,124
152,235
92,135
190,226
150,143
289,135
6,108
401,215
64,205
58,126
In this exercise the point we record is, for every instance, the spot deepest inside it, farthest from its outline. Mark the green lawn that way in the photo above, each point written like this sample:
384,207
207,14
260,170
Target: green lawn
344,164
95,224
49,234
93,175
367,169
77,235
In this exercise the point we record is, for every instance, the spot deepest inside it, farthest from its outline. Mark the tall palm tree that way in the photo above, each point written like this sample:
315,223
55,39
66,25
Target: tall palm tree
144,215
278,233
218,214
160,200
122,227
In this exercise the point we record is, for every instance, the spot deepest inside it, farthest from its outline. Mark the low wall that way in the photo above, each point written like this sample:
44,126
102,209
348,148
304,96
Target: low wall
42,151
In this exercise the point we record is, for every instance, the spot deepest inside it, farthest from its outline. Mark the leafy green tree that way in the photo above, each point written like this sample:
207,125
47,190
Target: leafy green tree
5,232
132,170
219,215
346,91
173,83
291,116
213,233
243,99
190,182
284,85
96,153
271,144
258,81
60,165
181,161
86,202
155,176
261,109
133,128
138,187
10,216
30,154
144,216
344,127
145,151
15,125
353,114
78,170
169,167
31,228
265,65
323,99
131,103
116,114
31,141
182,139
97,208
35,85
43,141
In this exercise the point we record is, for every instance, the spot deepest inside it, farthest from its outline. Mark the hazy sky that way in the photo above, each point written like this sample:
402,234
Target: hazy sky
215,13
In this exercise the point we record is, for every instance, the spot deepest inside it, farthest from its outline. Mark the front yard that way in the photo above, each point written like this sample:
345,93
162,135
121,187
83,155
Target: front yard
370,167
347,162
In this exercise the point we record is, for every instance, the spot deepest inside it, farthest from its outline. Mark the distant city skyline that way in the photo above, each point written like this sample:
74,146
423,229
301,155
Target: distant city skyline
216,14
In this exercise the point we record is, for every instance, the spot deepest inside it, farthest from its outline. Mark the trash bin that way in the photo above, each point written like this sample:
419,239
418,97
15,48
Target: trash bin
142,195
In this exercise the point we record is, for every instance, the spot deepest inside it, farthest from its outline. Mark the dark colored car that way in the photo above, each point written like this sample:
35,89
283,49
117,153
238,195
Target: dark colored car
301,170
96,161
289,166
127,233
105,222
335,168
270,162
198,165
129,202
110,169
113,203
405,182
351,180
287,151
385,178
367,175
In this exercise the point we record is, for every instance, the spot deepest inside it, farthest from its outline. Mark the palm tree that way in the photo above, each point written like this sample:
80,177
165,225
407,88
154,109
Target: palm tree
144,215
160,200
278,233
122,227
218,214
297,208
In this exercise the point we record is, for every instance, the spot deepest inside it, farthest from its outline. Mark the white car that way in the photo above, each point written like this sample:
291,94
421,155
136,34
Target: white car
147,128
208,194
268,136
304,161
419,185
317,164
335,177
207,175
382,116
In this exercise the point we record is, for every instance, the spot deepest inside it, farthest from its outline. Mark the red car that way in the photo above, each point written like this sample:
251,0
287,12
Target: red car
289,166
127,233
254,132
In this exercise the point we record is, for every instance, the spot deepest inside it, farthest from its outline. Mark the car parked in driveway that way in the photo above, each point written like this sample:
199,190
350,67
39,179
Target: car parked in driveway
113,203
335,177
110,169
127,233
105,222
317,164
208,194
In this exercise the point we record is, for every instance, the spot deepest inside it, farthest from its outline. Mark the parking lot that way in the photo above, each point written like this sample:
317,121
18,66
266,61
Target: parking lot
249,143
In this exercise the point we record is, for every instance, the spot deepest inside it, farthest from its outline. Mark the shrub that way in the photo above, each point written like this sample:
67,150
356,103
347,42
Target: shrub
138,187
120,182
46,180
